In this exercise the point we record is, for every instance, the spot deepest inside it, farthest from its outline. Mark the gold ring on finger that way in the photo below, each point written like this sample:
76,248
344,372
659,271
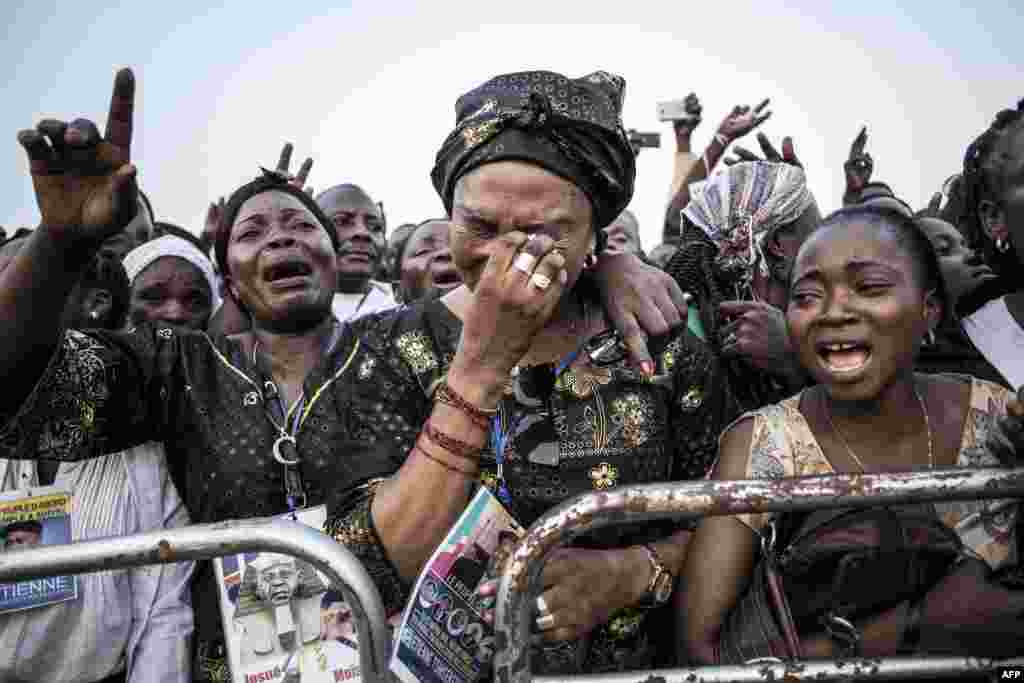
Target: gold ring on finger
545,622
524,262
540,281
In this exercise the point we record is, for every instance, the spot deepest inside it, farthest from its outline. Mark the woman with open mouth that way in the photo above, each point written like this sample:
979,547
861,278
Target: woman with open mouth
516,380
255,424
865,290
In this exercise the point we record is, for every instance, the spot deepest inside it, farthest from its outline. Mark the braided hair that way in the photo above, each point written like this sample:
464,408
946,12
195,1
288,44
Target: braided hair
981,180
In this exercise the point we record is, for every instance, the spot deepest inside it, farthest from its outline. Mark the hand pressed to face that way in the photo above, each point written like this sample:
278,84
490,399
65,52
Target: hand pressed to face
281,263
515,225
857,313
84,184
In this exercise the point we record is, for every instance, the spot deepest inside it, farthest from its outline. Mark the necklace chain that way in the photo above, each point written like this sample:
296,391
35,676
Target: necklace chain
849,449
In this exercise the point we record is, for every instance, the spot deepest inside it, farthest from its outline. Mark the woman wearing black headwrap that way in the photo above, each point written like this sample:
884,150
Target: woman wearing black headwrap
503,388
218,403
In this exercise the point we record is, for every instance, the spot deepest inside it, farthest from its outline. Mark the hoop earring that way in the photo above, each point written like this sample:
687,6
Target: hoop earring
589,261
929,339
1002,246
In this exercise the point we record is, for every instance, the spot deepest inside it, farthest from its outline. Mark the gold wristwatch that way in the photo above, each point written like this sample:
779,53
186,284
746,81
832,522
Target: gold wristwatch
659,590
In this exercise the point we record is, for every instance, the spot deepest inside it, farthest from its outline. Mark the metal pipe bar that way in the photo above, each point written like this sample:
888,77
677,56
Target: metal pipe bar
888,669
206,541
520,581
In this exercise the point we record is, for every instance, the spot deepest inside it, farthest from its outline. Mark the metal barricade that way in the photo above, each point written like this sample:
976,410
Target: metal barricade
207,541
520,582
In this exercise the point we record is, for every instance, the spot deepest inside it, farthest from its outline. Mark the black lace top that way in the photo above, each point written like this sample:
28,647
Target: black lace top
105,391
603,427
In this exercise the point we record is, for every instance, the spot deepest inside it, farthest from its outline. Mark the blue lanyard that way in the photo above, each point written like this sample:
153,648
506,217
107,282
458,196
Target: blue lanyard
500,437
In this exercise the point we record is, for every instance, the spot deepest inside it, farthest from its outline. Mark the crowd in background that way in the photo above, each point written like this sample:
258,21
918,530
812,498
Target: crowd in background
525,341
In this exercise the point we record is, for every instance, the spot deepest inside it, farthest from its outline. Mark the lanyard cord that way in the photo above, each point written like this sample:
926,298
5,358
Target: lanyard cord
294,491
500,437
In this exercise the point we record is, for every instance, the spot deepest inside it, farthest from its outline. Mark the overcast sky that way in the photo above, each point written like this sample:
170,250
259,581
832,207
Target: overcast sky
368,89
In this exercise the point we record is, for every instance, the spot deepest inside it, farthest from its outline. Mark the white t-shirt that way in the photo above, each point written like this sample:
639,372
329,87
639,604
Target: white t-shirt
1000,338
350,306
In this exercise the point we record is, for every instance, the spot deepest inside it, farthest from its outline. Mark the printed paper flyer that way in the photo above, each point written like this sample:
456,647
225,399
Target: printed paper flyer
30,518
281,620
443,637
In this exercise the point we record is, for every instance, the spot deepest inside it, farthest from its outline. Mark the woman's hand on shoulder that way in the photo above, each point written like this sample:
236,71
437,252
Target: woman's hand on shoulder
641,301
84,183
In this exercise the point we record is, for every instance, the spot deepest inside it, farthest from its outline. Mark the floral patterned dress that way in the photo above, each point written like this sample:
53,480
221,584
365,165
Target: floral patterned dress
782,445
603,427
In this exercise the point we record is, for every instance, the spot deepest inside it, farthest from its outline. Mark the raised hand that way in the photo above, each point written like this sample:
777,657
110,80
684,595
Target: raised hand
214,214
85,184
788,155
742,119
683,127
299,179
859,165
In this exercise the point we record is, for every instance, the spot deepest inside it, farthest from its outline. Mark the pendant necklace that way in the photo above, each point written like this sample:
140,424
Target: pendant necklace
849,449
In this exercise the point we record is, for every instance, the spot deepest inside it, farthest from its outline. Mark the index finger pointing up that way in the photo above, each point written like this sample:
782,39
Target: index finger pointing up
122,111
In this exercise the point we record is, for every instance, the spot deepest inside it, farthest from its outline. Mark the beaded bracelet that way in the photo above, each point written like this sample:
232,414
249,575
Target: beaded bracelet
448,396
456,447
447,465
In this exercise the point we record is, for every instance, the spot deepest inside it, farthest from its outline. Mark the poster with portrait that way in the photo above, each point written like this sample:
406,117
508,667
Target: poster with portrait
31,518
443,637
282,622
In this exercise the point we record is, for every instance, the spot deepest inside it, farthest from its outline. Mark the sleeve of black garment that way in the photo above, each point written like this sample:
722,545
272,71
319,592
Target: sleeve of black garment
702,406
101,393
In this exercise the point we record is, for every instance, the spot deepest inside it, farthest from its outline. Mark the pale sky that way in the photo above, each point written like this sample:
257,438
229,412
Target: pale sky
368,89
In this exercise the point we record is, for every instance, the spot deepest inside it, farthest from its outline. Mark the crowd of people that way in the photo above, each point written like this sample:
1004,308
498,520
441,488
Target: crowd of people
297,351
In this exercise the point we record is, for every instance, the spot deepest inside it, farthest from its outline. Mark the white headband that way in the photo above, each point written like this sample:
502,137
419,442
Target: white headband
139,258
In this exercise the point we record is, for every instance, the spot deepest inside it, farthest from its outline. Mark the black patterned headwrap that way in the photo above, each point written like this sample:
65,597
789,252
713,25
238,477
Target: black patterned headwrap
571,127
267,181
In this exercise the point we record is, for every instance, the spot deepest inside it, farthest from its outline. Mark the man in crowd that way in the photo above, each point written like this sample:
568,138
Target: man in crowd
424,264
360,227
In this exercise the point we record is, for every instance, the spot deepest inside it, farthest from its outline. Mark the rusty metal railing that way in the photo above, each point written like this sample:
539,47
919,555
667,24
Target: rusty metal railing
206,541
520,582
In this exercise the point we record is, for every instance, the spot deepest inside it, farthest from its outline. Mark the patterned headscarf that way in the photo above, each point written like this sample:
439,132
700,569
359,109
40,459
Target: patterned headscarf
739,208
571,127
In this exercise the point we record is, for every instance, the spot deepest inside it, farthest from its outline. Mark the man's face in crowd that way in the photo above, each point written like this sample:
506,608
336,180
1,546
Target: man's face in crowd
624,235
22,539
360,228
278,582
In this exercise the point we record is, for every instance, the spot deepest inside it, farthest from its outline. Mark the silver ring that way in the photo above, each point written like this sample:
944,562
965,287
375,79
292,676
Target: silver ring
524,262
540,281
545,622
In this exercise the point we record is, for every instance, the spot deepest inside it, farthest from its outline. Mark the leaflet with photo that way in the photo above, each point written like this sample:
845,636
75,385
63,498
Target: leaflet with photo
30,518
282,622
443,637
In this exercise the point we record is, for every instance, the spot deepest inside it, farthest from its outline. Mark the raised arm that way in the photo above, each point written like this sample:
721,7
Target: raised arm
85,189
740,121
